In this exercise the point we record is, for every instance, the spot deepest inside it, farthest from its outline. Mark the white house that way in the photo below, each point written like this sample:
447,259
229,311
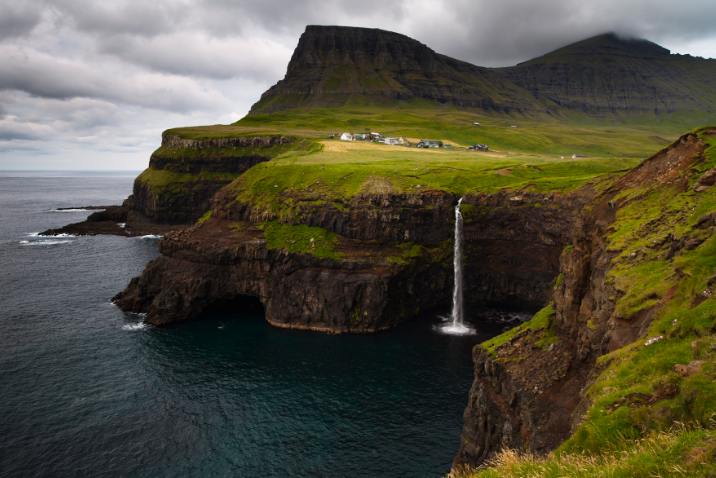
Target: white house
476,124
347,137
391,141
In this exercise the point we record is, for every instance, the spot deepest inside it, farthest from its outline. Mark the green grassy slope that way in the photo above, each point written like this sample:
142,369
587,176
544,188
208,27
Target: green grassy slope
430,121
549,138
644,419
342,170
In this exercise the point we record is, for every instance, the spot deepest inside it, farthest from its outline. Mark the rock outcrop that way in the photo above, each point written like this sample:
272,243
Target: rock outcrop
185,174
371,284
529,396
179,185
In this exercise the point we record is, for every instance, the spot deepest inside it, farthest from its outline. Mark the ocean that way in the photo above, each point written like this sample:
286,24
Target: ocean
89,391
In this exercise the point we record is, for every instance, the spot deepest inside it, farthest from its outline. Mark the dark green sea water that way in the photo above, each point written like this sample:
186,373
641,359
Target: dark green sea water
87,391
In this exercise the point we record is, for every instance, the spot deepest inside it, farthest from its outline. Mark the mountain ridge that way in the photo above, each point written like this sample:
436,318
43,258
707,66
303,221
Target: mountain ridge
598,75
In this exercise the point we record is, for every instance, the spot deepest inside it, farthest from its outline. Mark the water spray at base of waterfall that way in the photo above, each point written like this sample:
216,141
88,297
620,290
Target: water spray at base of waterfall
454,322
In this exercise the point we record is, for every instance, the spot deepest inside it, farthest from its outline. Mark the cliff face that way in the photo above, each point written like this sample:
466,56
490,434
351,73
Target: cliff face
179,185
391,259
529,384
604,74
185,174
332,62
609,74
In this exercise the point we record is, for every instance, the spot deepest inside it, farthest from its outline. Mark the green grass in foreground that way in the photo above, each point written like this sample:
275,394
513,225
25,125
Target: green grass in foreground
622,433
680,451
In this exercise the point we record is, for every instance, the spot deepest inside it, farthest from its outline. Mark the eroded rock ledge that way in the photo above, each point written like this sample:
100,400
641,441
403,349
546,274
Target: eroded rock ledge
514,238
179,185
528,392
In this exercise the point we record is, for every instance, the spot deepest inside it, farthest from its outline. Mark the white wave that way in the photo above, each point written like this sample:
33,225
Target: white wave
149,236
33,234
70,210
49,242
138,326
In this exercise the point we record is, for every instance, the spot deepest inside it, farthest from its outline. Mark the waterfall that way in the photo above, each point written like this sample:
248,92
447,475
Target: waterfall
457,265
453,324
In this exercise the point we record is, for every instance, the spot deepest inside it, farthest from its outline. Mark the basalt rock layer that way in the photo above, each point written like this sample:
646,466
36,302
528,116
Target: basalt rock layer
179,185
185,174
606,74
529,388
370,283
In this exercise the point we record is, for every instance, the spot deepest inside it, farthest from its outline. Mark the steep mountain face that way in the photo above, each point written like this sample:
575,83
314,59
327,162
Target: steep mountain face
530,386
332,62
599,75
608,73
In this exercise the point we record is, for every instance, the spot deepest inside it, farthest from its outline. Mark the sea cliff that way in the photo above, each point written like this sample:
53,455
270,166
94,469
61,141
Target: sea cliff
532,385
374,262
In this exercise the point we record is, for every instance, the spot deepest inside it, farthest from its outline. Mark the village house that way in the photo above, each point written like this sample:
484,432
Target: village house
347,137
429,143
391,141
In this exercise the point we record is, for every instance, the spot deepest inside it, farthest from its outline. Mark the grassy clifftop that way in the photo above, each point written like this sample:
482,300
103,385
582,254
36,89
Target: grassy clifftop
650,408
342,170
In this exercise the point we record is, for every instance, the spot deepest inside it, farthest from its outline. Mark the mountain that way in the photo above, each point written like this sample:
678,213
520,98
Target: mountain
332,62
604,74
616,74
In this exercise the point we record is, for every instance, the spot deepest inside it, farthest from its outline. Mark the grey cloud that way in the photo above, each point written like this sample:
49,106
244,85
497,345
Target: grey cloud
111,76
285,17
12,128
140,18
41,75
197,55
18,18
83,113
511,31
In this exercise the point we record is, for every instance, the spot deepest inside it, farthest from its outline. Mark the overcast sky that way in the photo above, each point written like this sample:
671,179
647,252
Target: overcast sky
91,85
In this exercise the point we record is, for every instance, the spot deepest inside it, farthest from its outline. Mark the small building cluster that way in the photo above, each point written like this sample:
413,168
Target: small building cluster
399,141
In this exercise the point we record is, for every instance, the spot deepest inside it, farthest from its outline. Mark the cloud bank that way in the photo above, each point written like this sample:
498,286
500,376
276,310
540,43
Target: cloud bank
91,85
